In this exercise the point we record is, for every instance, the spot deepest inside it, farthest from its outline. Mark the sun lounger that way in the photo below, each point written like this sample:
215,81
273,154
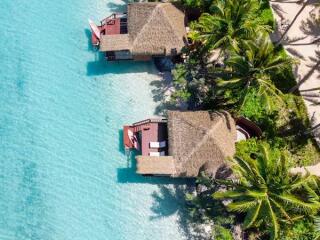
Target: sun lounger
157,154
158,144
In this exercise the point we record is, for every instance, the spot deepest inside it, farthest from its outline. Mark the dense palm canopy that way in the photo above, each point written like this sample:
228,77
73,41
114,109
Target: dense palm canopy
267,193
227,23
252,67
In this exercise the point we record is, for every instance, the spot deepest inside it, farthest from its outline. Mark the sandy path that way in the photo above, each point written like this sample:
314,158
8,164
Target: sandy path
299,42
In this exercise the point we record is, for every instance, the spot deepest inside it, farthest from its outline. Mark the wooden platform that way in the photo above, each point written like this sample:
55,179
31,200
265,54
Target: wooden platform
146,133
111,26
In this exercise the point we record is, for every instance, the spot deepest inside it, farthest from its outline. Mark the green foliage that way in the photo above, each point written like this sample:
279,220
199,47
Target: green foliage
300,230
266,15
204,209
284,126
191,82
265,191
252,68
222,233
317,228
201,5
251,78
181,83
227,23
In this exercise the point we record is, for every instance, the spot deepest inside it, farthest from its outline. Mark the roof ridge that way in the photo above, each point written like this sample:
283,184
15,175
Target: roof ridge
207,136
158,6
169,20
144,26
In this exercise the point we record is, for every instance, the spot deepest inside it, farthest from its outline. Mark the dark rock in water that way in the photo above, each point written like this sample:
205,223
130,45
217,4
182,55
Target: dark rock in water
163,64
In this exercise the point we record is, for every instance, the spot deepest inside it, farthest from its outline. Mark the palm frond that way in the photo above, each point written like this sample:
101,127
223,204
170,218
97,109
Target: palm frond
274,221
299,204
252,214
242,206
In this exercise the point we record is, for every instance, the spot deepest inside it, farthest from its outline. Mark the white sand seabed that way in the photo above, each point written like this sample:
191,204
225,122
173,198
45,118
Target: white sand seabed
299,43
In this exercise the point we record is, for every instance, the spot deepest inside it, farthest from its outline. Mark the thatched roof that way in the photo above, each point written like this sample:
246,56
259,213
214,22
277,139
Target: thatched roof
153,29
198,141
116,42
163,165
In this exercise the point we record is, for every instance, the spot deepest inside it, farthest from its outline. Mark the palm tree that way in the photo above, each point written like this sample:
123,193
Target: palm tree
267,193
228,22
252,67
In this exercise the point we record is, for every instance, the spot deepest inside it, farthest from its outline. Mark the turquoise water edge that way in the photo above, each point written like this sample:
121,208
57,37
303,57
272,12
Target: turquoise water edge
63,173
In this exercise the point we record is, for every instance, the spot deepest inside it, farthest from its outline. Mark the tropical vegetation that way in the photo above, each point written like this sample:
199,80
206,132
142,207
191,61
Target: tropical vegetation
228,23
232,64
267,193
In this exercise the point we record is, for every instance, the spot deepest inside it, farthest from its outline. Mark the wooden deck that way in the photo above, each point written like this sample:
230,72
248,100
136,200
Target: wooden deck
155,132
146,133
111,26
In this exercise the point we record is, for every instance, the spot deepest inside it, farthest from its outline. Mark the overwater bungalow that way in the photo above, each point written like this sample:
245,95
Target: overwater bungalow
187,143
146,30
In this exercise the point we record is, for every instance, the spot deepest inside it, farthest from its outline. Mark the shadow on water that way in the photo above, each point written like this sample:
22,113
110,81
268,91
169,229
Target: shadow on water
129,175
121,144
100,66
88,35
30,206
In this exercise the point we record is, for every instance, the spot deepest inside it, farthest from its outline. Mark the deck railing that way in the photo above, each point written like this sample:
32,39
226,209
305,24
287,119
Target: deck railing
112,17
159,120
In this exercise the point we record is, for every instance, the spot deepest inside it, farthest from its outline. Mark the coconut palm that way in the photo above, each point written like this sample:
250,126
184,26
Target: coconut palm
228,22
252,67
267,193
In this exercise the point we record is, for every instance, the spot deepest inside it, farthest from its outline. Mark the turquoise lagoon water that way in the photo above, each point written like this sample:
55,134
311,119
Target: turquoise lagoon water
63,174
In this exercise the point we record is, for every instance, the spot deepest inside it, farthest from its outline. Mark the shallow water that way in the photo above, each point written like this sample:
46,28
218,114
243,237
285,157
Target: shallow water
63,173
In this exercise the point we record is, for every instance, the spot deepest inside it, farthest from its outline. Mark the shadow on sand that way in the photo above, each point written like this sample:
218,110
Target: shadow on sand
171,200
162,89
117,8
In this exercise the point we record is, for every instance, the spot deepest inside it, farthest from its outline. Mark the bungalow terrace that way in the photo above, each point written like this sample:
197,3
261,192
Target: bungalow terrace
187,142
147,30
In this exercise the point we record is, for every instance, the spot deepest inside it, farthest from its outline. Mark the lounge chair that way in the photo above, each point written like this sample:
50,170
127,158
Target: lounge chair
158,144
157,154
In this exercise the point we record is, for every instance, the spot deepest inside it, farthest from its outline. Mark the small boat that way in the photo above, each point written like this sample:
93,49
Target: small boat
94,29
133,139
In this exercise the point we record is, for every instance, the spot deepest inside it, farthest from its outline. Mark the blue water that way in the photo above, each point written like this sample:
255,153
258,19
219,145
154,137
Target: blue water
63,173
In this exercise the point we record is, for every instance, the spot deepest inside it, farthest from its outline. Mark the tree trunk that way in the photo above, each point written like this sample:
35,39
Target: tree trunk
292,22
305,78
